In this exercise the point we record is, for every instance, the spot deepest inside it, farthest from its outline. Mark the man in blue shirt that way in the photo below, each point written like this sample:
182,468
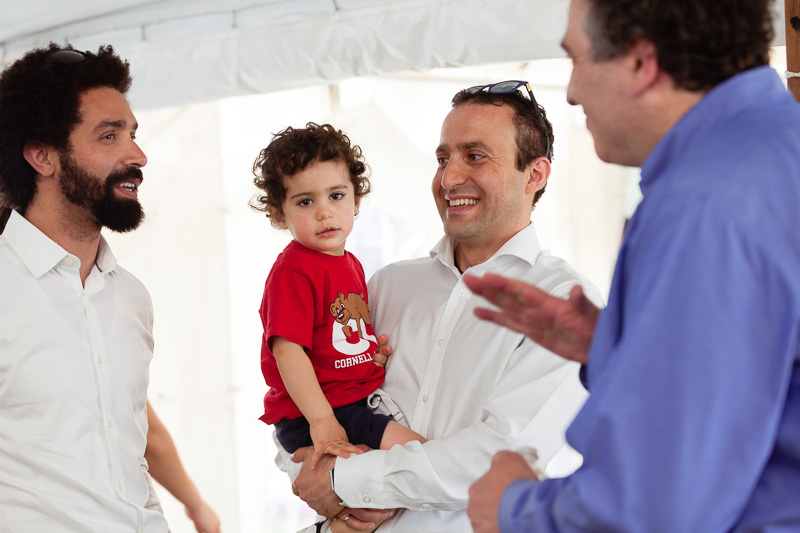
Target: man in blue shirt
693,422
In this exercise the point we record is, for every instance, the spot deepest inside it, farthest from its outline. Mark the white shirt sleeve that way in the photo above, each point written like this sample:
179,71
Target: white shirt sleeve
533,401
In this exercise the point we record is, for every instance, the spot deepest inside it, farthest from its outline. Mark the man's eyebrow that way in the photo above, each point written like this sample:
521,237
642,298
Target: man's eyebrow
474,144
467,145
120,123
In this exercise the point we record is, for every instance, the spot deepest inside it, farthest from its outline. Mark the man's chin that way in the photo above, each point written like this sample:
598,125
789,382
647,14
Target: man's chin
121,216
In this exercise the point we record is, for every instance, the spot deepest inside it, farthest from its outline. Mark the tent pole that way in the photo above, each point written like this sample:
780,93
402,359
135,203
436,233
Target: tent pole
793,44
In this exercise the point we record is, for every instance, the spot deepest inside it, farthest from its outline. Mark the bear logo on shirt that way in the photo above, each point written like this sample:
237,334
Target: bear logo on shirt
351,307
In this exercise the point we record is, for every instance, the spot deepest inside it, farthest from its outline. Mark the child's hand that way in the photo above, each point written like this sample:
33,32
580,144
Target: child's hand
330,437
383,351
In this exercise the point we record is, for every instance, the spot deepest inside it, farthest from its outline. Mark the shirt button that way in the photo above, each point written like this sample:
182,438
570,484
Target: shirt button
426,506
99,360
119,486
460,294
367,499
440,342
425,399
109,423
69,261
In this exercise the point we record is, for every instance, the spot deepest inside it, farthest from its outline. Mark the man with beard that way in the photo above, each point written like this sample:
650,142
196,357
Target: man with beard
75,327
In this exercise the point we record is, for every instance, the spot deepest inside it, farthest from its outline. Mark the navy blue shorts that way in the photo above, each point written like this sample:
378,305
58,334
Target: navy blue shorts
362,425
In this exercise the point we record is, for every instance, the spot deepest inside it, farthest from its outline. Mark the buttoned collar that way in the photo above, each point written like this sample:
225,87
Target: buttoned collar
40,254
524,245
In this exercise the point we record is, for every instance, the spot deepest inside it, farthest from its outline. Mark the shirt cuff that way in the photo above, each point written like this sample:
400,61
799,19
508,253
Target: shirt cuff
359,479
515,501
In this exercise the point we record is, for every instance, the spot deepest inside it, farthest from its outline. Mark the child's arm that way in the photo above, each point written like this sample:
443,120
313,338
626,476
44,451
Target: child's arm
301,383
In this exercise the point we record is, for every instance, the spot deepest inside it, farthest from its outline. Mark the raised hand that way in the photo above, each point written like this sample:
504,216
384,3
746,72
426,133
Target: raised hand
565,327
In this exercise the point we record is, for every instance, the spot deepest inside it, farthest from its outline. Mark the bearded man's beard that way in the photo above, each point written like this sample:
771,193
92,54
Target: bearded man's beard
99,197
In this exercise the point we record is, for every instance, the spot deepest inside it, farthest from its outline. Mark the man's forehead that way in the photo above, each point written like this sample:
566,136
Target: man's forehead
105,105
575,25
471,124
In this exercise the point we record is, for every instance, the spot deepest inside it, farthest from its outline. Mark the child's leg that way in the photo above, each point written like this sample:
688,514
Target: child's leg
398,434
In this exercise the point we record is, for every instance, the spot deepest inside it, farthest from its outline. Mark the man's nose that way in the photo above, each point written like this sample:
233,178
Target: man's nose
136,156
453,174
570,93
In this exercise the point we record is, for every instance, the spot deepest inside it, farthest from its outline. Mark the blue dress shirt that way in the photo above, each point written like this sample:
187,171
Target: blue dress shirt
693,422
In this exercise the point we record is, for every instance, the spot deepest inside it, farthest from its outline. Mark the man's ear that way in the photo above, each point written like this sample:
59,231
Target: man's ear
644,65
40,157
538,174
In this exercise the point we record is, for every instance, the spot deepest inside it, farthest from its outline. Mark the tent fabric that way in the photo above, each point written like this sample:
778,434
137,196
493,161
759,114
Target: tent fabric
185,51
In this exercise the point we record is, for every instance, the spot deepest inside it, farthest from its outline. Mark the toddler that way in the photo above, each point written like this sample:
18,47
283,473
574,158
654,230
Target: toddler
318,344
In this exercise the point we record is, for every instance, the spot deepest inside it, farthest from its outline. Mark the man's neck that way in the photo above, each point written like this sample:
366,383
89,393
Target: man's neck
465,258
467,255
664,107
68,226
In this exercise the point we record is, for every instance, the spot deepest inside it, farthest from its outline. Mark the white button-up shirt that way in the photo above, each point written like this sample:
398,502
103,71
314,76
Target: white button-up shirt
470,387
73,390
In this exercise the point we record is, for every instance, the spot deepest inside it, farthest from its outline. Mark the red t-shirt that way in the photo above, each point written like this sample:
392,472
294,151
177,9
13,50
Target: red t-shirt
319,301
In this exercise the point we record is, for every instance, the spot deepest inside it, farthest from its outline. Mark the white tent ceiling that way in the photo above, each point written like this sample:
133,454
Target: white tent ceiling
185,51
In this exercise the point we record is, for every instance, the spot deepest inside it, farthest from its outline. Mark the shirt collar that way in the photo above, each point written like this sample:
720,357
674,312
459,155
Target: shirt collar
106,262
734,95
524,245
41,254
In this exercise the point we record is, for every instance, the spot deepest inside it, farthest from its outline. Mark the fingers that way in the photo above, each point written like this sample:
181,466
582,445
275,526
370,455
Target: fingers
302,454
383,351
379,358
352,522
505,292
489,315
583,304
504,456
383,347
341,449
315,459
373,515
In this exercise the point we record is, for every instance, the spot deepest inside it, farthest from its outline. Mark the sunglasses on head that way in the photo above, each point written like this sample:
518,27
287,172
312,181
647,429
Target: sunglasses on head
65,57
508,87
